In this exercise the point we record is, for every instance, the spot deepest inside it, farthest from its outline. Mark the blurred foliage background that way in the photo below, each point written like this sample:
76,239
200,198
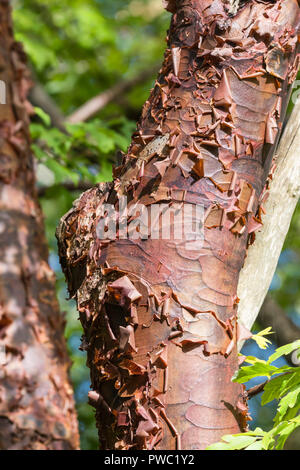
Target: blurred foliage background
78,49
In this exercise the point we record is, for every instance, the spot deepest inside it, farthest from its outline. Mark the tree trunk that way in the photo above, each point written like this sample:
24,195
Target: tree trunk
160,315
36,399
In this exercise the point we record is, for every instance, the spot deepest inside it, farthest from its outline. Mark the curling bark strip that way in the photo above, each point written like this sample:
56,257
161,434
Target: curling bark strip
160,322
37,409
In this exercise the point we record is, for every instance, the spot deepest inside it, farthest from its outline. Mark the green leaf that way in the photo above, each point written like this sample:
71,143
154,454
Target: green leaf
257,445
289,405
38,152
44,116
284,430
256,370
76,130
233,442
61,173
260,339
218,446
267,441
103,140
105,173
284,350
279,386
254,360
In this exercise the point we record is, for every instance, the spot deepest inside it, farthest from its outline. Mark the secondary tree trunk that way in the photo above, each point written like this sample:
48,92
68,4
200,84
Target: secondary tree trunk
36,399
159,316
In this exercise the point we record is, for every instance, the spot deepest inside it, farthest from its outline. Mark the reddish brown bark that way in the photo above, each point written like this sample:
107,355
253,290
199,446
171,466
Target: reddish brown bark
159,320
36,399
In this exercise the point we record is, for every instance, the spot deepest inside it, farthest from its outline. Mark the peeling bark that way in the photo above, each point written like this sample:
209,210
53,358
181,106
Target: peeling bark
160,320
36,399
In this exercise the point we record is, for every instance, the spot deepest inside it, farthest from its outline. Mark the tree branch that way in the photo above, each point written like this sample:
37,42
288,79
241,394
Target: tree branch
256,389
39,97
94,105
255,277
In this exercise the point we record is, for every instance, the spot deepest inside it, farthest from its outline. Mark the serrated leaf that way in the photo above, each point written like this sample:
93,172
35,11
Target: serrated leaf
284,430
261,342
256,370
284,350
260,339
279,386
289,405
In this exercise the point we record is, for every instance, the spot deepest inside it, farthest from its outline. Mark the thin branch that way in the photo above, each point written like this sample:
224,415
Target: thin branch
39,97
256,389
94,105
81,186
260,387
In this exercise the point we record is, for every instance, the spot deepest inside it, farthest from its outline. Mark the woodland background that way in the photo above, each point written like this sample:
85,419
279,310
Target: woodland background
79,49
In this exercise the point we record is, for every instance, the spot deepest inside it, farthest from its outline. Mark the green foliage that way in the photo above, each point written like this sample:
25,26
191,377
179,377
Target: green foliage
84,152
79,48
283,385
258,439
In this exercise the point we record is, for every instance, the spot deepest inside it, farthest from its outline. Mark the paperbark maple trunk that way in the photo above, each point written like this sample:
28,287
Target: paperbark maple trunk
159,316
36,399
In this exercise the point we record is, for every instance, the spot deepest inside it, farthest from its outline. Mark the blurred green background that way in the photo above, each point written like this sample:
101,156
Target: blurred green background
78,49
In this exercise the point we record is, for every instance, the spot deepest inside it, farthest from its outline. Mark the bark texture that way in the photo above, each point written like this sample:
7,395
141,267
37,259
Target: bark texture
159,319
36,399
